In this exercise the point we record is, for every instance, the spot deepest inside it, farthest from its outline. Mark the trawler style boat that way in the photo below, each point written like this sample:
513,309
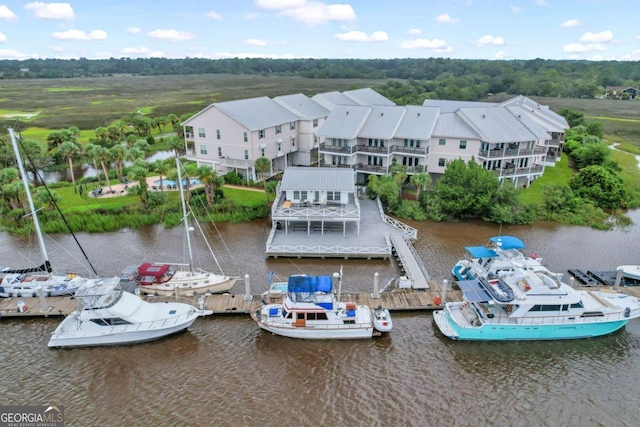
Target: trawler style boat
533,304
182,279
310,310
107,315
498,258
26,282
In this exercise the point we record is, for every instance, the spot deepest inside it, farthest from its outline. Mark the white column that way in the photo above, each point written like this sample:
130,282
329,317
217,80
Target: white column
445,284
247,288
375,293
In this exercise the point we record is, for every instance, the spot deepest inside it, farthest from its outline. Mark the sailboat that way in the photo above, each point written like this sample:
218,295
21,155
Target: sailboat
173,279
26,282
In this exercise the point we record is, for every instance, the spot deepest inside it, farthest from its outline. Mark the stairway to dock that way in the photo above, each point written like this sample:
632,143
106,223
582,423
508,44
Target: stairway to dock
410,261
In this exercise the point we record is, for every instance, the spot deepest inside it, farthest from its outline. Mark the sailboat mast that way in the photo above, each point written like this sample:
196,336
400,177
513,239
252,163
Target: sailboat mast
184,213
27,190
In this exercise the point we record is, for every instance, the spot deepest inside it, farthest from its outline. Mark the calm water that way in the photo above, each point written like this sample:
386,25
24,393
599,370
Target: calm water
226,371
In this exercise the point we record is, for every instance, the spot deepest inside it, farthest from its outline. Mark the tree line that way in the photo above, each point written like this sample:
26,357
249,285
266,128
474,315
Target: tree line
460,79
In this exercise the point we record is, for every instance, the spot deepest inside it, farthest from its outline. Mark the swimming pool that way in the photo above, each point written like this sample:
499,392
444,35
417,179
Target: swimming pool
170,182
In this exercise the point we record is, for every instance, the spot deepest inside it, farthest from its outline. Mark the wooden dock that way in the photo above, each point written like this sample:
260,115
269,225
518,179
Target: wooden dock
410,262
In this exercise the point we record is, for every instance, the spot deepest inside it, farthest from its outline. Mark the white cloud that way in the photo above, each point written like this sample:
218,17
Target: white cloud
58,11
601,37
135,50
133,30
214,15
417,32
14,54
542,3
80,35
3,38
638,37
170,35
571,23
359,36
501,54
255,42
516,9
446,19
490,40
7,14
582,48
252,16
436,45
221,55
310,12
633,56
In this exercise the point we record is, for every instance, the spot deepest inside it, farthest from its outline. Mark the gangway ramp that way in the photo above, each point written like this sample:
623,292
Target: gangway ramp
411,262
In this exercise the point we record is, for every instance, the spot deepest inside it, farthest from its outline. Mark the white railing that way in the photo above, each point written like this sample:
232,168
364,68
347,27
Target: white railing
238,163
567,319
154,324
314,214
407,231
327,326
321,250
421,265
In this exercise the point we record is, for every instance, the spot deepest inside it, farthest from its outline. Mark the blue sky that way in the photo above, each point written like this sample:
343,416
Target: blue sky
467,29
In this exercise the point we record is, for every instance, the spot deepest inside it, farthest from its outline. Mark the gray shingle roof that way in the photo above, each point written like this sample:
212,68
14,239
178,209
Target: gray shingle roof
368,96
313,178
382,122
497,124
345,121
451,125
256,113
417,122
447,106
302,106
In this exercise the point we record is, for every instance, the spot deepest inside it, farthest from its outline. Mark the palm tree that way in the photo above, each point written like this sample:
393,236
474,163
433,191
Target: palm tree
118,154
161,167
104,155
92,150
263,166
422,181
138,172
211,180
69,150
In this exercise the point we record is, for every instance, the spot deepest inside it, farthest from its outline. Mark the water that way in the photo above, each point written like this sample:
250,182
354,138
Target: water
226,371
166,182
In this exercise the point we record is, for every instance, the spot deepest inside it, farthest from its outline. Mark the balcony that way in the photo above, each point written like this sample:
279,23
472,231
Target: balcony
235,163
410,150
360,167
511,152
337,149
553,143
535,169
415,169
377,150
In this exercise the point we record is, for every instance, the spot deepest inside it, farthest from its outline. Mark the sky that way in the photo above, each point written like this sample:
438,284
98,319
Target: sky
364,29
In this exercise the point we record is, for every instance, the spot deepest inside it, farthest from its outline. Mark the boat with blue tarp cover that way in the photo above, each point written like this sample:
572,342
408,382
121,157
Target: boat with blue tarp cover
499,257
533,304
311,310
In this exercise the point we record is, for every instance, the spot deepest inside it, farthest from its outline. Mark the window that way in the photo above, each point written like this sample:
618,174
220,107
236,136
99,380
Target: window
279,146
201,133
246,137
296,195
463,144
261,134
217,133
246,154
278,129
441,162
293,125
315,123
331,195
262,152
219,151
442,141
203,149
303,195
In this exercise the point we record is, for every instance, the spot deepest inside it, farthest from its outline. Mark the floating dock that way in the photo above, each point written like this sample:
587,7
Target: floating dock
600,278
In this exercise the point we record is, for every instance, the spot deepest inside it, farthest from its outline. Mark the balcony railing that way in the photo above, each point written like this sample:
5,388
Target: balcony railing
415,169
377,150
512,152
371,168
236,163
410,150
346,150
518,171
553,143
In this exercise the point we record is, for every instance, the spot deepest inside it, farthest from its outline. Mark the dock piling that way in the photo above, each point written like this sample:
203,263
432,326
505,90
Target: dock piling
375,294
571,281
445,284
247,289
618,278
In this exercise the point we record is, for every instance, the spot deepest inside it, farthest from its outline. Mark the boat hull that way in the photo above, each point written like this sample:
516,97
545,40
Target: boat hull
314,331
496,332
188,290
89,334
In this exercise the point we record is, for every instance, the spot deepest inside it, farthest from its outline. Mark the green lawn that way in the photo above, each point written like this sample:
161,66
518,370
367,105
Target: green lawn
559,174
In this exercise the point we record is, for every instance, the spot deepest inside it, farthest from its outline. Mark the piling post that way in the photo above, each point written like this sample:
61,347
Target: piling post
375,293
43,299
247,289
445,284
618,278
572,281
176,292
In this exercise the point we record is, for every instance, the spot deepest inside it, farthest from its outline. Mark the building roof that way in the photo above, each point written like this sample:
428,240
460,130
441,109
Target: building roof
535,109
382,122
497,125
302,106
345,121
417,122
321,179
329,100
448,106
451,125
254,113
368,96
539,130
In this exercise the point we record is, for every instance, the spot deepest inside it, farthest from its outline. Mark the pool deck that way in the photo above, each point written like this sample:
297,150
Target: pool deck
120,189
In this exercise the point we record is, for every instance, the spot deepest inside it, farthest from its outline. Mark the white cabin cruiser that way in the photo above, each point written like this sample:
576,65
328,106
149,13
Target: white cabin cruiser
107,315
310,310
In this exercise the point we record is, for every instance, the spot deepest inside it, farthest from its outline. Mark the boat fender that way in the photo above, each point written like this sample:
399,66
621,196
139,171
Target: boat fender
627,312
